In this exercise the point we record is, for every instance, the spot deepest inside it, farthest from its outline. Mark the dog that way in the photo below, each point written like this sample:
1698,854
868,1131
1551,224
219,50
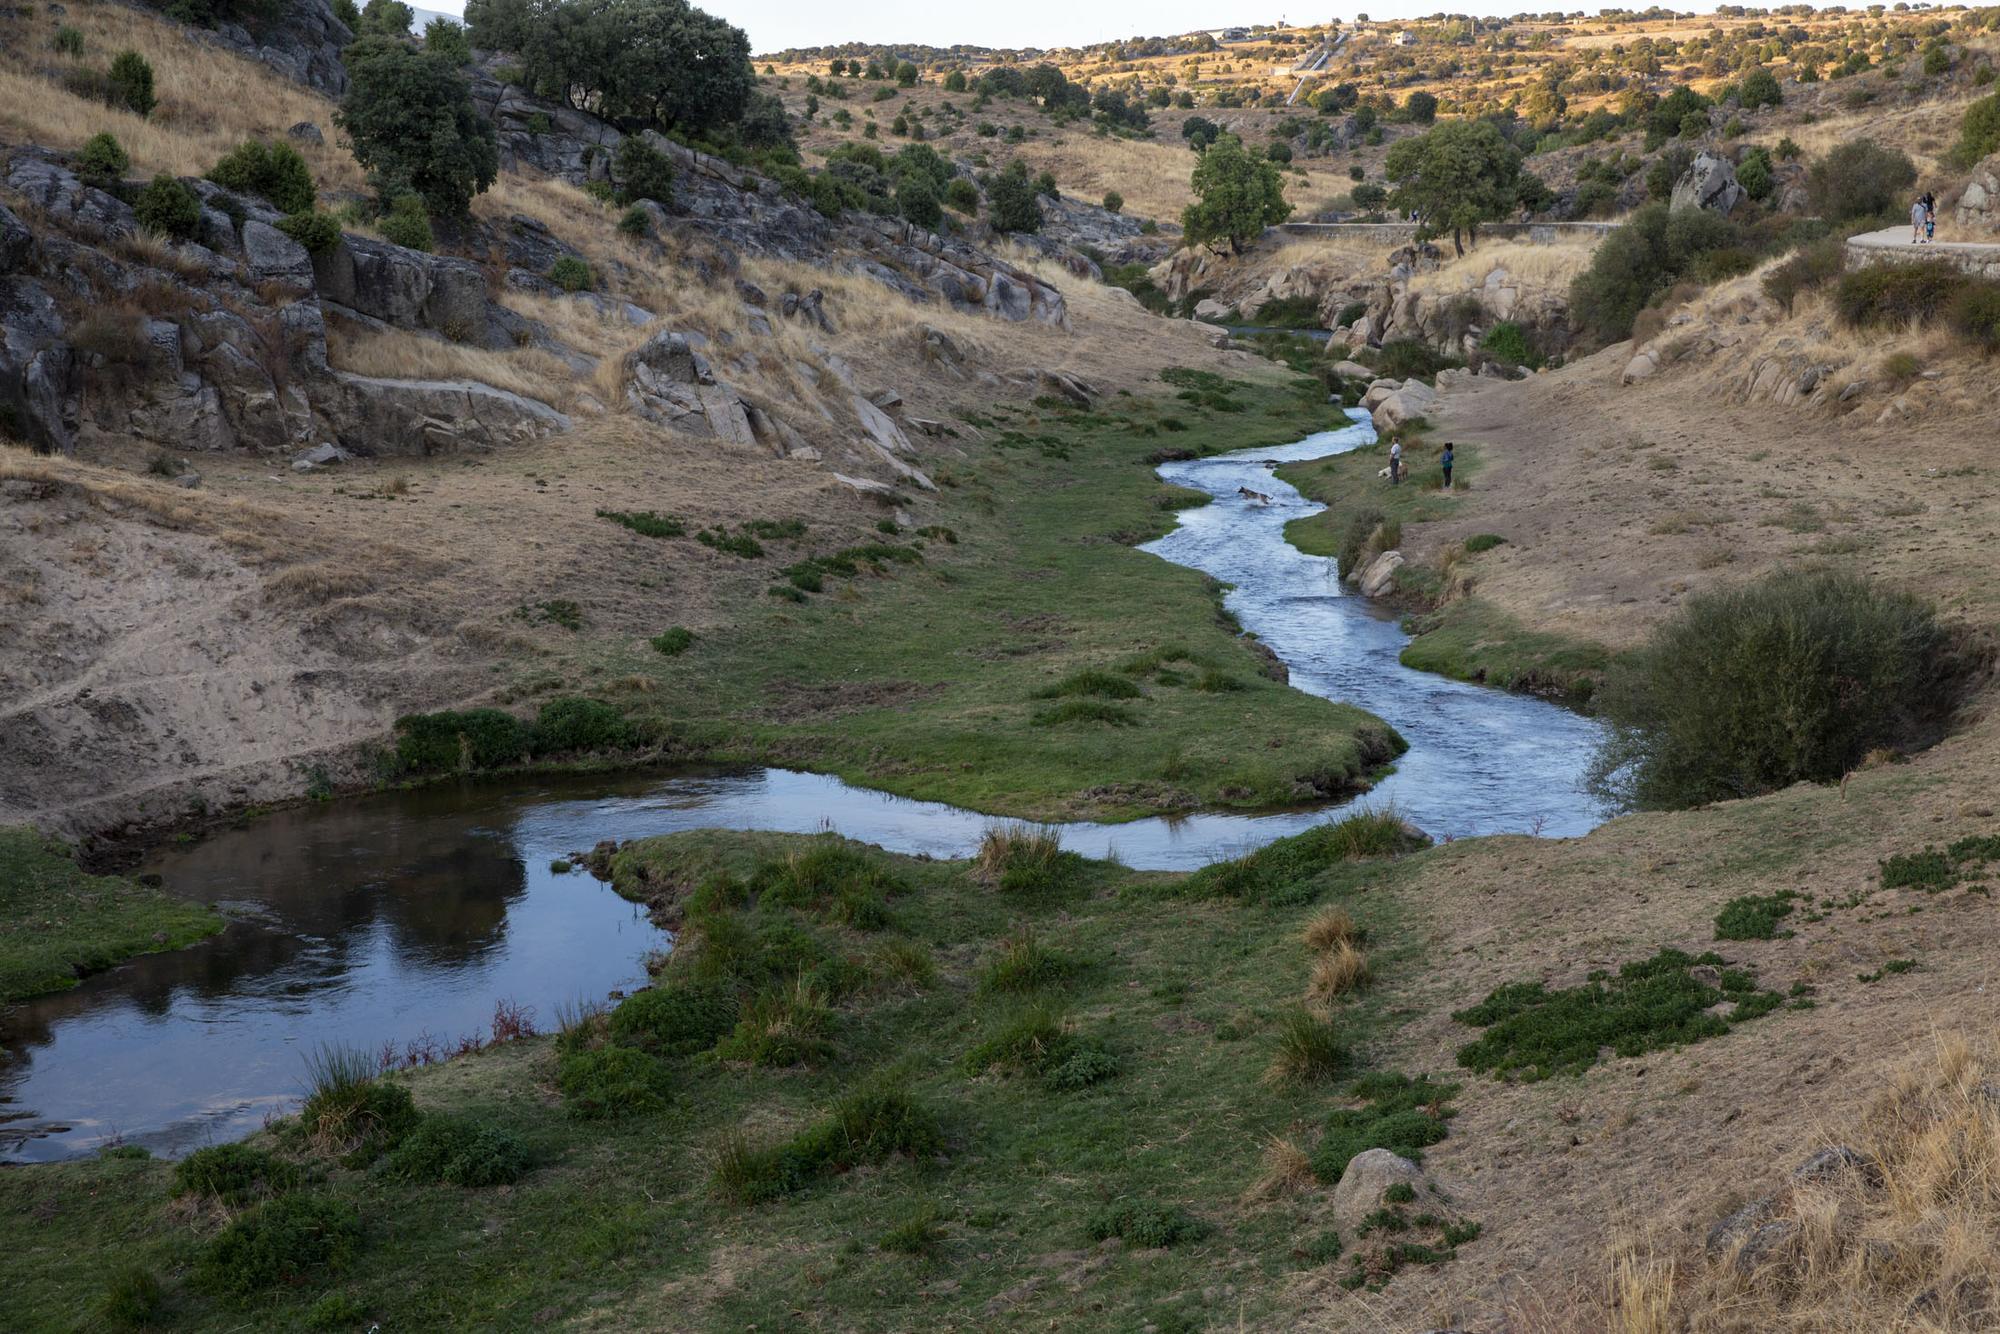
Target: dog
1257,496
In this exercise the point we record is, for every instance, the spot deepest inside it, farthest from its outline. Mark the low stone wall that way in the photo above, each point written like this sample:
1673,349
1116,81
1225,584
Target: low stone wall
1892,246
1404,233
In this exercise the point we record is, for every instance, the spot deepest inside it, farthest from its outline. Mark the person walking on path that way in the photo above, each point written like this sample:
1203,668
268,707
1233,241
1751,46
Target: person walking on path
1930,217
1395,463
1918,213
1444,460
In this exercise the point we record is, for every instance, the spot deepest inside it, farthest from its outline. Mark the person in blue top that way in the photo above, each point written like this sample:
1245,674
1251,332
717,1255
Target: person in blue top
1445,460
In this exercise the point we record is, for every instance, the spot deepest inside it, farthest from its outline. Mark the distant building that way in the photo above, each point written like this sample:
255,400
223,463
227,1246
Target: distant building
1403,38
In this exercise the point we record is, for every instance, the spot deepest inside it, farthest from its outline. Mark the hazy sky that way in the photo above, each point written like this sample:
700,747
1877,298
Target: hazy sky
774,25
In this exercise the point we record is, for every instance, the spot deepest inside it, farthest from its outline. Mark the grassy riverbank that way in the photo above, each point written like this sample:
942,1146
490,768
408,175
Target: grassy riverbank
1069,1050
58,923
1454,632
1018,657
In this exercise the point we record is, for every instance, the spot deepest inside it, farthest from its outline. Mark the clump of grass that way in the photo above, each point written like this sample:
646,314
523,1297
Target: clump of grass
1282,871
552,611
672,642
907,963
1933,870
1287,1170
1398,1113
1148,1224
612,1083
1093,682
1533,1033
782,1027
1218,682
1330,927
646,523
1479,542
1338,971
1035,1041
677,1020
459,1152
284,1241
350,1112
917,1234
740,544
1322,1248
1889,969
133,1298
233,1174
1309,1049
1028,860
876,1122
1754,916
1023,964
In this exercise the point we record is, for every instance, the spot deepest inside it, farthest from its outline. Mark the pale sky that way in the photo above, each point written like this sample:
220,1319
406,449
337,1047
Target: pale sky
775,25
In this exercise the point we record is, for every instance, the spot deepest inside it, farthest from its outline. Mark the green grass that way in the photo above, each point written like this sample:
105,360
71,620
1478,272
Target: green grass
1470,639
858,1185
1754,916
1533,1033
58,923
1398,1113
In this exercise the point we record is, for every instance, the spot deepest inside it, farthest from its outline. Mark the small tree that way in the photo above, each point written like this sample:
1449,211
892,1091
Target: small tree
1199,131
102,158
275,171
168,207
1236,196
906,75
1420,108
1979,132
643,172
1760,89
1012,205
1457,176
1113,201
917,200
393,87
131,83
1859,179
386,18
447,38
962,195
954,82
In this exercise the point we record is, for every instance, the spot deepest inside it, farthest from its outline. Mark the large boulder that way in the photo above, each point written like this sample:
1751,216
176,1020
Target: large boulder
1379,576
409,289
384,416
68,202
1369,1174
1413,400
274,257
39,381
1977,206
1709,182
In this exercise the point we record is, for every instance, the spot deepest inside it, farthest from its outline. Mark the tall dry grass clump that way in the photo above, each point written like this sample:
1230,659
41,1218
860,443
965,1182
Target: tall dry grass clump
1330,927
1339,970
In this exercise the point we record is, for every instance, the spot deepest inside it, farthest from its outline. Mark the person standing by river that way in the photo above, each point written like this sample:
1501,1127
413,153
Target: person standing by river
1395,462
1444,461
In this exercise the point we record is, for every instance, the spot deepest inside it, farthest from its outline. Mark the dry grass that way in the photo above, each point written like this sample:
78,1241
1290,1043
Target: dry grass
397,354
1016,845
1548,267
1338,971
318,583
1329,929
1287,1171
209,99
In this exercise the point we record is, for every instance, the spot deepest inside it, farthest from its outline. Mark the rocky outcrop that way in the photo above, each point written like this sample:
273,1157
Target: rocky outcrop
300,39
396,417
408,289
38,381
1404,404
1366,1179
1709,182
1975,205
1379,576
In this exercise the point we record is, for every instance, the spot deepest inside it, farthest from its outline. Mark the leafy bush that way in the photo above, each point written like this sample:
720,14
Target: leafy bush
449,741
570,273
672,642
1400,1114
168,207
316,231
1092,681
642,172
577,724
283,1241
1792,678
458,1152
102,158
962,195
1859,179
612,1083
1402,358
275,171
1753,916
1975,314
68,41
1533,1033
393,86
1641,259
130,83
1760,89
1809,267
1978,132
233,1174
1753,173
1896,293
408,224
1012,202
675,1021
1148,1224
1508,342
634,222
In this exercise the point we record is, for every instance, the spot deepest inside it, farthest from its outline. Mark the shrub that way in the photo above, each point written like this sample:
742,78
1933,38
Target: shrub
570,273
1092,681
917,200
962,195
642,172
1753,173
1028,860
1479,542
1400,1114
1978,132
1760,89
316,231
1975,314
675,1021
275,171
393,86
68,41
168,207
283,1241
1859,179
102,158
1792,678
1309,1048
1113,202
1147,1224
612,1083
233,1174
672,642
1655,1003
1012,205
448,741
1753,916
1508,342
458,1152
1401,358
130,83
1282,871
577,724
1034,1041
407,224
1809,267
1646,256
1896,293
781,1027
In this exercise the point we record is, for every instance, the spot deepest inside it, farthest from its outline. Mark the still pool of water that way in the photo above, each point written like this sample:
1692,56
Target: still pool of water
405,917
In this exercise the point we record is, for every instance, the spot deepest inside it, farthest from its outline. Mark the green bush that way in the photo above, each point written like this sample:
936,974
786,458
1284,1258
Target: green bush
1896,294
1402,358
1978,132
393,86
1792,678
1023,964
408,224
612,1083
168,207
133,1298
458,1152
1654,249
1805,269
275,171
962,195
1753,173
350,1113
1400,1114
1479,542
1092,681
316,231
643,172
672,642
570,273
634,222
917,200
1012,202
130,83
574,724
1508,342
1147,1224
1975,314
284,1241
1282,871
675,1021
233,1174
68,41
450,741
1760,89
1753,916
102,158
1309,1049
1859,179
781,1026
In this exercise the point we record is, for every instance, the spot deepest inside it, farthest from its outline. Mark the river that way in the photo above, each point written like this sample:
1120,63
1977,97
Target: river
400,920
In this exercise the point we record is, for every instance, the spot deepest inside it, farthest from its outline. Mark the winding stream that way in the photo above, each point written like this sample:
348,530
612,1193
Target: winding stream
403,918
